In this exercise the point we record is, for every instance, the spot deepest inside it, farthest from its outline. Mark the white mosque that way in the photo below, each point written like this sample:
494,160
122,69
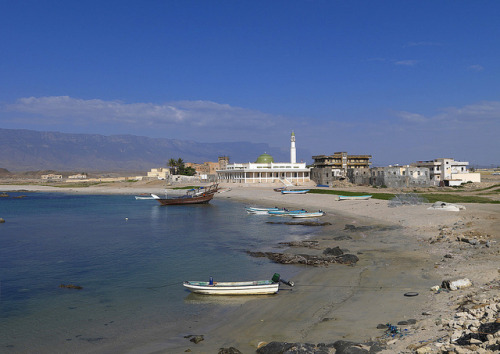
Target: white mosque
265,170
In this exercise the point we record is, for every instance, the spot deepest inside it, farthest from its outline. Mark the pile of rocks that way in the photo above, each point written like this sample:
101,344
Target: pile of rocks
474,328
472,237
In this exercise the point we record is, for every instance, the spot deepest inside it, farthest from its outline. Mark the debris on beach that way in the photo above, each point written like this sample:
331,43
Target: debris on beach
456,284
349,227
446,206
195,338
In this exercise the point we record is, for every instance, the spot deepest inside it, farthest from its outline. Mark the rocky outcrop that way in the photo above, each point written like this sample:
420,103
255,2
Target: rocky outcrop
306,259
339,347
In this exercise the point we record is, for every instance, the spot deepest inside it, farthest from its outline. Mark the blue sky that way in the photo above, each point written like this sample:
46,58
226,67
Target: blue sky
400,80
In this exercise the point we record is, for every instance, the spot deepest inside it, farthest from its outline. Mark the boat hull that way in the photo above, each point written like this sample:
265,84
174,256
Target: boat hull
295,191
259,287
189,200
354,197
307,215
252,210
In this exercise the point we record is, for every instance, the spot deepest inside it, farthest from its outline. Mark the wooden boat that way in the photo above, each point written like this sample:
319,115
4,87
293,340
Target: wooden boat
354,197
309,215
279,189
193,196
256,287
295,191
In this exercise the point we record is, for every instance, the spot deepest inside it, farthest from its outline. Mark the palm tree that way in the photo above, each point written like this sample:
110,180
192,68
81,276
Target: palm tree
172,163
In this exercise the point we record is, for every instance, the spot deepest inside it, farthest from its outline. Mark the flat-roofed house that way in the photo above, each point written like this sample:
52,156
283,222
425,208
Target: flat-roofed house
329,168
448,172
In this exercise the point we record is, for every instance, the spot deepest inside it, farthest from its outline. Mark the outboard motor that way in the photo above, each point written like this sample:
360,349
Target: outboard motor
277,278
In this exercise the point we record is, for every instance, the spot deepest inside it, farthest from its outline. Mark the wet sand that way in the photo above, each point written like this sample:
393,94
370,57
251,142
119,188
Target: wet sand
398,253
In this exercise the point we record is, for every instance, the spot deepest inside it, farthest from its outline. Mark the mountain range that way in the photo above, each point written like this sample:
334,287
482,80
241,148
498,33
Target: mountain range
29,150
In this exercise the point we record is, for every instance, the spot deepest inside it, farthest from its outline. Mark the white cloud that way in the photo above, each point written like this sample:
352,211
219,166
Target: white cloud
476,67
485,112
422,44
406,62
201,117
412,117
466,132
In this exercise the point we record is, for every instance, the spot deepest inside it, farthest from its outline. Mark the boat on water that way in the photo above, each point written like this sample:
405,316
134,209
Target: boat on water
253,210
146,196
354,197
285,212
295,191
309,215
255,287
199,195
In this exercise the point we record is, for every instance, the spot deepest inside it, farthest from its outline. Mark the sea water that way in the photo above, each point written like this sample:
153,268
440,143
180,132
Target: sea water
130,257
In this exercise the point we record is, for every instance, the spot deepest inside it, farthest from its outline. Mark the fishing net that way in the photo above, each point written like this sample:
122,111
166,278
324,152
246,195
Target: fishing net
407,199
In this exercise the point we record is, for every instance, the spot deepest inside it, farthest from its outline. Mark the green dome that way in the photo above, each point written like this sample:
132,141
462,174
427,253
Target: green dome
264,158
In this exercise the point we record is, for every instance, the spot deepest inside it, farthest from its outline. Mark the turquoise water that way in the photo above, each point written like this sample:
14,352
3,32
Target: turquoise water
131,257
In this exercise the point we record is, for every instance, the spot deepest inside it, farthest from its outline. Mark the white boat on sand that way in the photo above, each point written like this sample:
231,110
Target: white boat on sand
354,197
256,287
295,191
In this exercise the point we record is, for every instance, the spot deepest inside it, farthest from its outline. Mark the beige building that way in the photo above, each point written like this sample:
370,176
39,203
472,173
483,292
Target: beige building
448,172
160,173
52,177
329,168
78,176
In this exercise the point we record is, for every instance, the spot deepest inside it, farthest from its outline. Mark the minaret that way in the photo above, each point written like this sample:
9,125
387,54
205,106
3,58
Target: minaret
293,153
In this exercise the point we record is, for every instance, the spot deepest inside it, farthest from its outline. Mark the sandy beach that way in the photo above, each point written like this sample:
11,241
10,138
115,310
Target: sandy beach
401,250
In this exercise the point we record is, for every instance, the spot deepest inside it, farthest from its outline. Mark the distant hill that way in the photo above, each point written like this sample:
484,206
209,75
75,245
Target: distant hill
28,150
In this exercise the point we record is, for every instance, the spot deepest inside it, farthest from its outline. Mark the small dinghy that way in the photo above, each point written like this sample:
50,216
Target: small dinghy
354,197
309,215
252,210
256,287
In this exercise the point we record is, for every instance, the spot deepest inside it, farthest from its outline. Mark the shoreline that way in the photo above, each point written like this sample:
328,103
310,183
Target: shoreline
411,257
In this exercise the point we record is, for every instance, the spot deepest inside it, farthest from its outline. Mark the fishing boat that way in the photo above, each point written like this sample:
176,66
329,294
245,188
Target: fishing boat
295,191
354,197
252,210
199,195
285,212
309,215
256,287
279,189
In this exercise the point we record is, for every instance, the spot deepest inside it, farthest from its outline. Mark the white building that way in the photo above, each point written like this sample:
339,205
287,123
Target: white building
265,170
447,171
